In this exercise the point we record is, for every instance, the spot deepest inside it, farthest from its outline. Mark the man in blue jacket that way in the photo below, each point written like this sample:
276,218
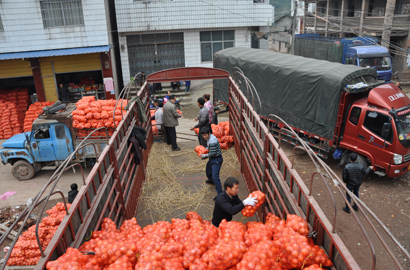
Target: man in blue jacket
228,203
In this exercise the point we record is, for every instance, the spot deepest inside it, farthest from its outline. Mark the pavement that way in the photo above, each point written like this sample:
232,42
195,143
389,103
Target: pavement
24,190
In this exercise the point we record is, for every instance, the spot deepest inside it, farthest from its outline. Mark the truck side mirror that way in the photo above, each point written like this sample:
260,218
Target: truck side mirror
386,130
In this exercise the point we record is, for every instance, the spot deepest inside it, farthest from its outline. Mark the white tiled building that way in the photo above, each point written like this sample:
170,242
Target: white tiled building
161,34
45,43
37,25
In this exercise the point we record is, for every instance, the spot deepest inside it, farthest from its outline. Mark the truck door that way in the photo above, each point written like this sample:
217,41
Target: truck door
370,137
63,145
42,144
351,127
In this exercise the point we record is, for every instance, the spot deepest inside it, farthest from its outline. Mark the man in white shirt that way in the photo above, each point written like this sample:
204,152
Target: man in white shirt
158,115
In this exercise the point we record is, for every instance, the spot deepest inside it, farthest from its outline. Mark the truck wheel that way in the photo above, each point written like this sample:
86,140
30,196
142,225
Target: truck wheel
346,160
23,170
362,160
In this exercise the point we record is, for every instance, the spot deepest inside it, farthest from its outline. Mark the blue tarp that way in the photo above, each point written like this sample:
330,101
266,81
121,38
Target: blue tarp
48,53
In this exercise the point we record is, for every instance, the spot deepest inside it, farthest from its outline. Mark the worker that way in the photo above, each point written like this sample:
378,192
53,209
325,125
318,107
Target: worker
170,118
63,93
353,177
213,167
215,116
203,121
72,193
228,203
141,77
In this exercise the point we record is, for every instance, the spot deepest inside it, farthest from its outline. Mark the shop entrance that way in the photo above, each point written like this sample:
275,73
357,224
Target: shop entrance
154,52
83,83
19,82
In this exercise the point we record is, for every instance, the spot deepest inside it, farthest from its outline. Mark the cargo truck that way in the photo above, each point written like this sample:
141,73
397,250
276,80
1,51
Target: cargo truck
357,51
332,106
51,140
113,187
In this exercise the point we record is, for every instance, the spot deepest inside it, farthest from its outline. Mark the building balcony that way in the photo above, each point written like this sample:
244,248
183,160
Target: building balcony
372,25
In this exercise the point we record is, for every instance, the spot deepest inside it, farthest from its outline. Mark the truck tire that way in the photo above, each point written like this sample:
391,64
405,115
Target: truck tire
362,160
346,160
23,170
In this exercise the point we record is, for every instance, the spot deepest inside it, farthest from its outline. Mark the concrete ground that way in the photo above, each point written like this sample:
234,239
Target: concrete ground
29,188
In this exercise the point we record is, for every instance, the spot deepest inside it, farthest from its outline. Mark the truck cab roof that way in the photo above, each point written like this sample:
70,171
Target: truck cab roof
367,51
39,121
388,96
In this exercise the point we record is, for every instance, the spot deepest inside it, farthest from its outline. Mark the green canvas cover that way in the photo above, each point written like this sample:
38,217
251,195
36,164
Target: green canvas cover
305,92
319,49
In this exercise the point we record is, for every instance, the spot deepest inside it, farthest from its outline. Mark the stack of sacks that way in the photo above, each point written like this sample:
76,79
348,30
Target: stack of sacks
92,114
221,132
154,124
26,250
13,105
33,112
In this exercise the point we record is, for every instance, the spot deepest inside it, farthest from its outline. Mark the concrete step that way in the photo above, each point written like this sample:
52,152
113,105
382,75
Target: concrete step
165,87
177,94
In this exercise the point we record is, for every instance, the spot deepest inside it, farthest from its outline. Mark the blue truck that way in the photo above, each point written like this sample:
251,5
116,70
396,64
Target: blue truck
51,140
358,51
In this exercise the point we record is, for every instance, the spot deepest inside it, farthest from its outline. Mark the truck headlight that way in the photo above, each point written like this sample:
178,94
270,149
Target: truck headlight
398,159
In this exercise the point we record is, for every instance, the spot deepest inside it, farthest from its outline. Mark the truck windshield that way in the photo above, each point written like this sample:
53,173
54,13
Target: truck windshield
403,129
378,63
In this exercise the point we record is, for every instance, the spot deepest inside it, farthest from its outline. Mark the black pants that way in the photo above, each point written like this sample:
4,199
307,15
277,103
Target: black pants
171,136
355,190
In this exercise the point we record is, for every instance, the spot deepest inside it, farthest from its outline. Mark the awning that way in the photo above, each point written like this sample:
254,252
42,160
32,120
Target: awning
48,53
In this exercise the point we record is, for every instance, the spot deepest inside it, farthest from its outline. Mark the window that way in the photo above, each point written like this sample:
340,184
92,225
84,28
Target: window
351,61
355,115
1,25
374,122
58,13
42,133
213,41
60,133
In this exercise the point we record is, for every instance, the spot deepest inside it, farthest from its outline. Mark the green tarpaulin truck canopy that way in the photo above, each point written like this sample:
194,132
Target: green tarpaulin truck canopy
305,92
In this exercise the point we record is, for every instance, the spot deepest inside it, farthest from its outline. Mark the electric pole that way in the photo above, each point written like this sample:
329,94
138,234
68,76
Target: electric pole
292,51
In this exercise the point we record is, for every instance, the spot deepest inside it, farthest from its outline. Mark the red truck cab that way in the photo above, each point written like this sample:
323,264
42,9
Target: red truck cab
378,127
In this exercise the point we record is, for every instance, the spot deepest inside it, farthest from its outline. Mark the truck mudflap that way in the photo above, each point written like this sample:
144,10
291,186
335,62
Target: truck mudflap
114,184
8,154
